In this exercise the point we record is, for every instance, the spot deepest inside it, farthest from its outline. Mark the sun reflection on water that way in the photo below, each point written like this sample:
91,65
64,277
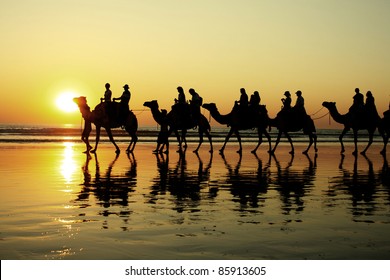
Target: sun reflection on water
68,166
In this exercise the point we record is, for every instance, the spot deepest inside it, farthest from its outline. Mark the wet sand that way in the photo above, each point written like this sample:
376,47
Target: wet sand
58,203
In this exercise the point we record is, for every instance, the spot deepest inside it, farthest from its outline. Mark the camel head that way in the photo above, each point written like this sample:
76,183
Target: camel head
80,101
151,104
210,106
329,105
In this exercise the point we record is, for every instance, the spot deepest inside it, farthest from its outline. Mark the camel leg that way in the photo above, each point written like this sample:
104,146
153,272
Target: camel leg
239,141
133,141
268,138
290,141
109,133
260,134
385,140
200,141
176,134
97,139
315,142
345,130
370,140
355,132
183,137
226,140
310,143
277,142
210,140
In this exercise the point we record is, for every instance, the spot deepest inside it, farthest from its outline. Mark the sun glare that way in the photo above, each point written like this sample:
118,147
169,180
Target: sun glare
65,102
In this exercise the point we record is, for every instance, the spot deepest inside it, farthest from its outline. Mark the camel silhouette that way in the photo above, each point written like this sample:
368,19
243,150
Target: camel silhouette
100,119
286,123
176,123
384,130
237,121
355,123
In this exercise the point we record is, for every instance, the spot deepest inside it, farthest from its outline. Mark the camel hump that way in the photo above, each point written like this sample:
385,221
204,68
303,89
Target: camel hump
113,112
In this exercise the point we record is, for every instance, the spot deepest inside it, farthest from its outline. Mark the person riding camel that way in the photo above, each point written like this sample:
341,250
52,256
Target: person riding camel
195,104
254,104
124,103
299,107
181,106
370,107
356,111
242,105
107,100
255,99
286,108
286,101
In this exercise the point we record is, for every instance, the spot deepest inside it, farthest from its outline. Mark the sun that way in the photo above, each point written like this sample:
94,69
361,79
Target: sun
65,102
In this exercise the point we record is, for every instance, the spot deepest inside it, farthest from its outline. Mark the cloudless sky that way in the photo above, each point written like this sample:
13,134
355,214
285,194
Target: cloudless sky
323,48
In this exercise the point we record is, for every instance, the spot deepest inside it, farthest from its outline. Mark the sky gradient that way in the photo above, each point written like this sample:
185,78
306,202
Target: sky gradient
323,48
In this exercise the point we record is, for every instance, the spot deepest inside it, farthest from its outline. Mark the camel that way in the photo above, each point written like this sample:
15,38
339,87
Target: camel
384,130
288,122
349,121
176,123
238,121
100,119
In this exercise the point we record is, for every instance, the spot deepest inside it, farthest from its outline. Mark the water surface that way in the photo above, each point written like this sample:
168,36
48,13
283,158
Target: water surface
58,203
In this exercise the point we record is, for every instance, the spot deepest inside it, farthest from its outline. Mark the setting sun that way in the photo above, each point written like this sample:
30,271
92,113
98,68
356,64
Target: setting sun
65,102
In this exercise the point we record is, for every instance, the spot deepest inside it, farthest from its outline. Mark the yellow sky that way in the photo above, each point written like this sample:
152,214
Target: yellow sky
324,48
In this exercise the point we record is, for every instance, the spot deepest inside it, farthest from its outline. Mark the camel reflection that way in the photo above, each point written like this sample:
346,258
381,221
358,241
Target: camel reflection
185,186
293,184
247,187
360,186
110,190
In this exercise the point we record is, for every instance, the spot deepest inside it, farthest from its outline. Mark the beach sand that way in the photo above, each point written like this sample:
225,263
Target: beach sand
58,203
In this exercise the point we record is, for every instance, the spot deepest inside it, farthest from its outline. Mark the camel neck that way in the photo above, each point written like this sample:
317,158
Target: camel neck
85,111
221,119
336,115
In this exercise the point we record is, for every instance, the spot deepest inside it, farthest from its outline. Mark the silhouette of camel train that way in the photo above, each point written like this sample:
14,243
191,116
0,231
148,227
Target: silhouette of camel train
245,114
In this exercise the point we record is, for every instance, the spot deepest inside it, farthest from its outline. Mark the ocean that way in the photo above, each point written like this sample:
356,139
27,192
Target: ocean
13,133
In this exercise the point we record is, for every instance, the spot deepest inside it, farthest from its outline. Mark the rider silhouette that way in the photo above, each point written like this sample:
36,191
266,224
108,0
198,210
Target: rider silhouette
107,100
358,102
370,106
181,107
286,101
124,103
195,104
255,99
299,108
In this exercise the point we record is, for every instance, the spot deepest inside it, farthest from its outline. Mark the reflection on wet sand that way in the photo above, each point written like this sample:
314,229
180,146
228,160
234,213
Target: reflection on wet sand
183,189
363,187
109,190
293,185
247,187
185,186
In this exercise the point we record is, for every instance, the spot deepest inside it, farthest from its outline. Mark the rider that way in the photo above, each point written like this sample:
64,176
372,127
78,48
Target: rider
107,100
181,106
124,103
370,106
357,109
195,104
299,107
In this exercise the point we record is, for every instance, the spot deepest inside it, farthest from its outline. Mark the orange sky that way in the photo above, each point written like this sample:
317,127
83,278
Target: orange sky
323,48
